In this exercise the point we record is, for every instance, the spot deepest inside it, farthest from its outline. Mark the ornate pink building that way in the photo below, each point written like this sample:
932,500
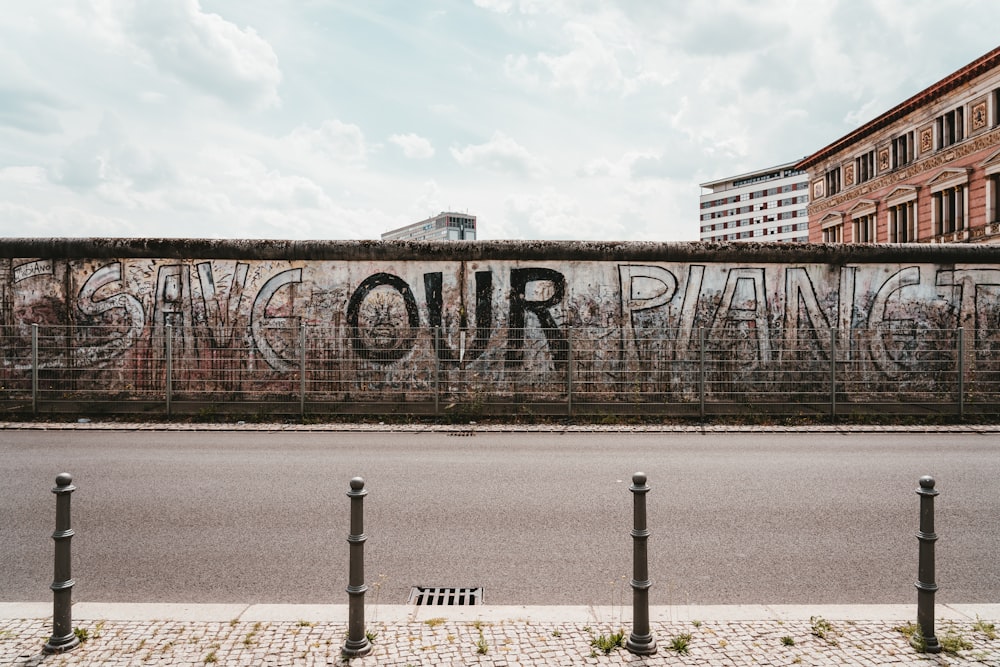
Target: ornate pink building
927,170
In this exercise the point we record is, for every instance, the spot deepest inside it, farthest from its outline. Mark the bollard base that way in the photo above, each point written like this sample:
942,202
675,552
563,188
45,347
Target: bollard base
61,644
356,648
641,644
926,644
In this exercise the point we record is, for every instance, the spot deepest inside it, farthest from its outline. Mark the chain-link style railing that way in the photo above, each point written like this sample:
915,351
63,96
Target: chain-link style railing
588,371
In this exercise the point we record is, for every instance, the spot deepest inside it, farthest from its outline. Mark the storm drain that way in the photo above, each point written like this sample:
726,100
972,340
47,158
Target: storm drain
428,595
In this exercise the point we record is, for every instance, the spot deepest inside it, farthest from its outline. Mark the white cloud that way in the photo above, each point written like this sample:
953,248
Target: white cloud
602,53
204,49
550,215
414,146
333,140
501,6
63,221
30,108
500,154
110,157
428,202
24,175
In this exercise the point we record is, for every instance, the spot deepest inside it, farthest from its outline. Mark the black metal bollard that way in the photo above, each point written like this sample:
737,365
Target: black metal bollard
640,641
357,643
926,587
63,638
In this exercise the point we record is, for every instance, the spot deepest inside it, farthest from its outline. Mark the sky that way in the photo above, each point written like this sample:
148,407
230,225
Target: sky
342,119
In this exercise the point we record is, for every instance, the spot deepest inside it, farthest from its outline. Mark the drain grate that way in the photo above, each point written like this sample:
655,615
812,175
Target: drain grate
436,595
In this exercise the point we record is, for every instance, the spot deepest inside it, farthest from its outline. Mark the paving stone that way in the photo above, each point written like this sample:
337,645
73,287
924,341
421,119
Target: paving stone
510,644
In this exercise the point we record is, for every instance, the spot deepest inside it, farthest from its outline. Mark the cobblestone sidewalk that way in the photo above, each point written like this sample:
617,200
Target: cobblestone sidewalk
504,643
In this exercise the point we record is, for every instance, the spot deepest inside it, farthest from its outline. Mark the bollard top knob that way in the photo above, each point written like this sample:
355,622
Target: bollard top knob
639,479
926,482
64,479
357,483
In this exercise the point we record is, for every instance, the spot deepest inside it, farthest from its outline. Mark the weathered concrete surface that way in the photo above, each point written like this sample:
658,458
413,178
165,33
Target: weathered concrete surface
507,306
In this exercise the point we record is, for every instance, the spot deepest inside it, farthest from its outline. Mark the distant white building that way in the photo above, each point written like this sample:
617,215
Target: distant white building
764,205
445,226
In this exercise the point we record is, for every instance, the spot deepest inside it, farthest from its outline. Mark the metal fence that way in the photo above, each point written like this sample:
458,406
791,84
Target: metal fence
584,371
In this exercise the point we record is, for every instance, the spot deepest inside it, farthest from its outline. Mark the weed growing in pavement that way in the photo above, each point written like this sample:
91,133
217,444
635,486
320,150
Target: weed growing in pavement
953,642
788,641
434,622
696,624
822,628
482,648
608,643
988,629
210,658
681,643
250,639
912,632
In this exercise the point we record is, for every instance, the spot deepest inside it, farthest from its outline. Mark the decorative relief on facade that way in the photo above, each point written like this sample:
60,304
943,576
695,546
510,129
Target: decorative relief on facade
883,159
818,189
926,139
979,119
983,141
848,174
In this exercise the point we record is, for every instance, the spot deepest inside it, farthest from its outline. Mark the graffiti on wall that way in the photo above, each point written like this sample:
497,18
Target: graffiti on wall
502,314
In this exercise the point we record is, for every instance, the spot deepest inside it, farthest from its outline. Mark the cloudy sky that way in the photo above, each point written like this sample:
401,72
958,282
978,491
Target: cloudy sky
341,119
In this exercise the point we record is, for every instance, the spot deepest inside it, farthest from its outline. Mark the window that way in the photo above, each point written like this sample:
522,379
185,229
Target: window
834,234
832,179
950,127
993,198
864,166
903,222
949,210
864,228
902,150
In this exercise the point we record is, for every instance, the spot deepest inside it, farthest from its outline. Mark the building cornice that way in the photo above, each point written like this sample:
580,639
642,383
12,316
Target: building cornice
939,159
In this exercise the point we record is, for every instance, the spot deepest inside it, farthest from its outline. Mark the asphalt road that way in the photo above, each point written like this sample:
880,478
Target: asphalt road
544,518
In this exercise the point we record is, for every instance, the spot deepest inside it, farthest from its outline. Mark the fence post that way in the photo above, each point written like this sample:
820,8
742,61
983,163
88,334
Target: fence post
63,638
833,374
169,349
701,372
961,373
34,369
640,641
357,643
569,372
437,370
926,587
302,371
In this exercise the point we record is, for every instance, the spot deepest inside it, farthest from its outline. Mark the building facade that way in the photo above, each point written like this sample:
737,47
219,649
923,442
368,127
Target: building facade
925,171
445,226
764,205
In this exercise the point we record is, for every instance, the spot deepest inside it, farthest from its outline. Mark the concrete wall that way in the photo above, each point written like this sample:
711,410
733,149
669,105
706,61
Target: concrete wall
378,302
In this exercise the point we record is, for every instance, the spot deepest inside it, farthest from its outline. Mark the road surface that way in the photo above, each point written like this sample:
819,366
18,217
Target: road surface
533,518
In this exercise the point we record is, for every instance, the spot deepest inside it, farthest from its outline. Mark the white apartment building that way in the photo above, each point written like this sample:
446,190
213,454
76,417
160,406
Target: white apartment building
445,226
764,205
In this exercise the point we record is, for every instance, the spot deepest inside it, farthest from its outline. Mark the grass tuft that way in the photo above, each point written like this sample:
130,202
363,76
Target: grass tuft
681,643
608,643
